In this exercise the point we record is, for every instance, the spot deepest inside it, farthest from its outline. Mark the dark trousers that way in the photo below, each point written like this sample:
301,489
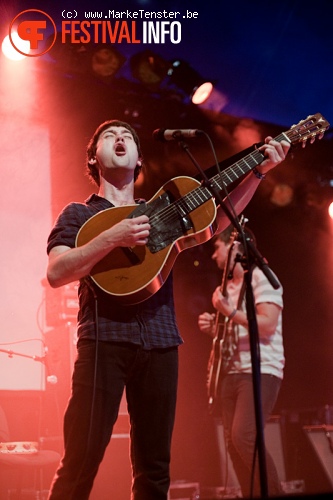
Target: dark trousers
150,379
238,416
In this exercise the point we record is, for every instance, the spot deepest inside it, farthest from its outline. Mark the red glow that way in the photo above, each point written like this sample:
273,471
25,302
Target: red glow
25,219
330,210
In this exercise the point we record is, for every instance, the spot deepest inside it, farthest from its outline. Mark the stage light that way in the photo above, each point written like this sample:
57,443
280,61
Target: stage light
282,195
186,78
202,93
10,52
101,60
149,68
330,210
106,61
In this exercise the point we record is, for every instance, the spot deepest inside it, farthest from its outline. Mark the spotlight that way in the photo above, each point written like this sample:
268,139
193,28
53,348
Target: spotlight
282,195
106,61
10,52
149,68
101,60
330,210
71,59
186,78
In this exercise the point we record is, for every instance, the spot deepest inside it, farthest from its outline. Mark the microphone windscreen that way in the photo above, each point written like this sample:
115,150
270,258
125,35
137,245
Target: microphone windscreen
158,134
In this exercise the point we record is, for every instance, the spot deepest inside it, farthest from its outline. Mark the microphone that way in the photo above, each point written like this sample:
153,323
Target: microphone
164,134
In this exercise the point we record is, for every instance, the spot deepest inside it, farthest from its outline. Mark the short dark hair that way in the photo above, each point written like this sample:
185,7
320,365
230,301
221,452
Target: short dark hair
92,169
226,235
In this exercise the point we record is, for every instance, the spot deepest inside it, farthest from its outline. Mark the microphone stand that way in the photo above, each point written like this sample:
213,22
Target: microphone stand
13,353
52,379
253,257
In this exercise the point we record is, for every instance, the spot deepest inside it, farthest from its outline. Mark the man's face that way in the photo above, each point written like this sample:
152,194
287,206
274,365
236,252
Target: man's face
116,149
221,251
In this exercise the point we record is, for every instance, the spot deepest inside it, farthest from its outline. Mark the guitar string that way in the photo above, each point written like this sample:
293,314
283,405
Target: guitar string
200,195
170,213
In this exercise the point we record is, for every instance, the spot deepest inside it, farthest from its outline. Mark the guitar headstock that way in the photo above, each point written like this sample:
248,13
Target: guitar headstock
312,127
234,235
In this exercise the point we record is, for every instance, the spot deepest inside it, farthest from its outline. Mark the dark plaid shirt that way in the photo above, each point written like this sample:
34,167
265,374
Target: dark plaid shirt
151,323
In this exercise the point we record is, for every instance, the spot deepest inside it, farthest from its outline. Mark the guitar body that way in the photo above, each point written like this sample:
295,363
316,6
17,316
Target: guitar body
134,274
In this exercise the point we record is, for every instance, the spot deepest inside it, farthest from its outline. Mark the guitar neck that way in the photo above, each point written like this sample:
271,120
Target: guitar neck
201,194
310,128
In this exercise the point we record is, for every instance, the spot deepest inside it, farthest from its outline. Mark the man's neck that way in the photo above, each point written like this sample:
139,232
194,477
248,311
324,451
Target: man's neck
238,274
117,194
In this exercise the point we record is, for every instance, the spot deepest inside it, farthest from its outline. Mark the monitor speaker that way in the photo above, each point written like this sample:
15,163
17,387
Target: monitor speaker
274,445
320,438
114,475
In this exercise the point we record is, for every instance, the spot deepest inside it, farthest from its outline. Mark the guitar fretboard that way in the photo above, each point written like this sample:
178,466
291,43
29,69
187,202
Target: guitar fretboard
201,194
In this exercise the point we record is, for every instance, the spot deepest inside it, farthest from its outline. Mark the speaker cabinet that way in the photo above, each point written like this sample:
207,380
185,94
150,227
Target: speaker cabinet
114,477
320,438
274,445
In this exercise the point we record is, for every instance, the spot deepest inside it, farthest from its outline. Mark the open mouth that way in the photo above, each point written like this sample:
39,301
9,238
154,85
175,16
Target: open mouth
120,149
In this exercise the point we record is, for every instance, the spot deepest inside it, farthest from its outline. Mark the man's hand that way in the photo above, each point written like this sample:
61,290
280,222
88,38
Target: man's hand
275,152
221,303
206,323
130,232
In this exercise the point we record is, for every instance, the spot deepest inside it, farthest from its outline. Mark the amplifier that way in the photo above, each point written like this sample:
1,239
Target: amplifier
183,490
321,440
61,304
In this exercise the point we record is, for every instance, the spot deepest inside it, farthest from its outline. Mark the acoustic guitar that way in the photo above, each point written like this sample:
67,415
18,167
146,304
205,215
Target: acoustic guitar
181,215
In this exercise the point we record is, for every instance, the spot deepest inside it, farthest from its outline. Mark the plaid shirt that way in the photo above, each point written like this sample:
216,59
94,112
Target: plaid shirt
151,324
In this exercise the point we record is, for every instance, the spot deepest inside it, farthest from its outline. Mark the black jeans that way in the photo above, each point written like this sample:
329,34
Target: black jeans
238,416
150,379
